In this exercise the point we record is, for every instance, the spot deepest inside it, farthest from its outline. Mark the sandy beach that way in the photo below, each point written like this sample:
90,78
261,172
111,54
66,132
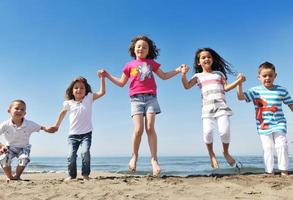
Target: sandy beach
116,186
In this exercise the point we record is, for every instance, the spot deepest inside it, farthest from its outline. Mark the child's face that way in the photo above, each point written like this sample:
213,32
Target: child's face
17,110
267,77
78,91
205,60
141,49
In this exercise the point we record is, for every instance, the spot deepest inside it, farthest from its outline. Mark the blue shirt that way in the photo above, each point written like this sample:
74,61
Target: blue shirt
268,106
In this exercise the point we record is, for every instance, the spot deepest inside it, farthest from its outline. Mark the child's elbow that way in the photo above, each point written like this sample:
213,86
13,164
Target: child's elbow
102,93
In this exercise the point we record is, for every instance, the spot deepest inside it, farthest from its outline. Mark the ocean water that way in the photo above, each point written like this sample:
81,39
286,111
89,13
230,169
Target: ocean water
171,166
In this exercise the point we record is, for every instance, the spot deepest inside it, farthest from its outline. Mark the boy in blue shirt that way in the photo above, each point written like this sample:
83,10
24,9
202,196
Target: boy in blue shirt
270,119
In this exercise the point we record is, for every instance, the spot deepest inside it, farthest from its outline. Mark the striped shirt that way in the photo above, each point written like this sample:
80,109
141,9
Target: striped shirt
212,94
268,106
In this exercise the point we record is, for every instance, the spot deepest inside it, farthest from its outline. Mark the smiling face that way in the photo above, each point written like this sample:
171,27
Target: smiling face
17,111
78,91
267,77
205,60
141,49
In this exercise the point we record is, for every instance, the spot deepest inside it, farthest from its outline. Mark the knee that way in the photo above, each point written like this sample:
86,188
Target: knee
208,136
150,130
281,144
23,162
5,162
85,154
225,137
268,148
138,132
71,157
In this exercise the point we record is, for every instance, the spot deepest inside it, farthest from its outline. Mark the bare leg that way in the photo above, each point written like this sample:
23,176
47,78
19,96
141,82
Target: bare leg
227,156
19,170
137,133
8,173
152,139
214,162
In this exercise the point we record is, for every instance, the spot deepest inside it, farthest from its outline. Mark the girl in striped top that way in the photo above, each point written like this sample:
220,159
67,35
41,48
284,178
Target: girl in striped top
270,120
211,77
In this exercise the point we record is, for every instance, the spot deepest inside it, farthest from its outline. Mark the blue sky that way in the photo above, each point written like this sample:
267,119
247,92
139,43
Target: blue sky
45,44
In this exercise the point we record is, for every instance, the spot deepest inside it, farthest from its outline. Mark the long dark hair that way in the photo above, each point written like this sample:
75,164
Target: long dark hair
69,91
153,50
219,63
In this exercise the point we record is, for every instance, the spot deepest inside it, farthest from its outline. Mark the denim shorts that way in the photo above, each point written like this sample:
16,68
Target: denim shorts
144,103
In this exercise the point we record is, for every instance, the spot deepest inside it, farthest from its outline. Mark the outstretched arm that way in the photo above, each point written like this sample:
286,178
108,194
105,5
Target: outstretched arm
49,130
240,94
102,90
168,75
117,81
187,84
58,122
227,87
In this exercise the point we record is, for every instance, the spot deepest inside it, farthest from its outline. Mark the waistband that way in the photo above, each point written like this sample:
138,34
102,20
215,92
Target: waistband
143,94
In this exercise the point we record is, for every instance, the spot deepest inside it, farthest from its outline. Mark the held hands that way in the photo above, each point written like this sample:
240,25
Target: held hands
241,77
51,129
102,73
184,69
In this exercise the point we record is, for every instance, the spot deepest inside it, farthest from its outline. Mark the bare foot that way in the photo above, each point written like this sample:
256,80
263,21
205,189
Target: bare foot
156,167
229,159
86,178
8,180
214,162
132,164
68,179
284,173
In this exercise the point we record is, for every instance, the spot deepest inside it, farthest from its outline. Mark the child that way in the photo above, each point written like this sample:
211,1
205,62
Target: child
79,100
210,75
17,131
270,120
143,94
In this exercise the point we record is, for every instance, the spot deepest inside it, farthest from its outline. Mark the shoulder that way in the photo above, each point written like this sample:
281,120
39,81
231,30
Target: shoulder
219,73
279,87
196,75
5,123
152,62
89,97
30,123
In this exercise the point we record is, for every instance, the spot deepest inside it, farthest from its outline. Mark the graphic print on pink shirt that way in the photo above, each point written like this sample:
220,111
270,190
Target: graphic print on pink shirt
140,73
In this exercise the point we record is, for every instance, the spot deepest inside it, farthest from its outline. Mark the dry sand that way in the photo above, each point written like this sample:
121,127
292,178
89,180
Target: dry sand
106,186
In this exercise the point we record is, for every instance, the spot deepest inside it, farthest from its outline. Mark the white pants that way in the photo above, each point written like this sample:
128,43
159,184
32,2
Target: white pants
271,142
209,124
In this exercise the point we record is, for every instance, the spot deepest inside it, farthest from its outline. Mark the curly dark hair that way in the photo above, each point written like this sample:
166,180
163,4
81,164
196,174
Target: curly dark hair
219,63
69,91
153,50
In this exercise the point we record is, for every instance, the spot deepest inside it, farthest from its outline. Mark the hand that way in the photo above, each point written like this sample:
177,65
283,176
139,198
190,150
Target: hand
184,69
102,73
241,77
3,149
51,129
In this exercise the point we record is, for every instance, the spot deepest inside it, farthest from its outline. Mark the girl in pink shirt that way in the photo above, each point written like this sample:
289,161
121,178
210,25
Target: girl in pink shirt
143,94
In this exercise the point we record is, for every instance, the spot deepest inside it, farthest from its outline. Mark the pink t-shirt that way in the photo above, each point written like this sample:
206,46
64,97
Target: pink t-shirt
140,73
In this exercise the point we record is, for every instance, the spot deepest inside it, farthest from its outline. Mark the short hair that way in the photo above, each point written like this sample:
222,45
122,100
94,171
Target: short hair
18,101
266,65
